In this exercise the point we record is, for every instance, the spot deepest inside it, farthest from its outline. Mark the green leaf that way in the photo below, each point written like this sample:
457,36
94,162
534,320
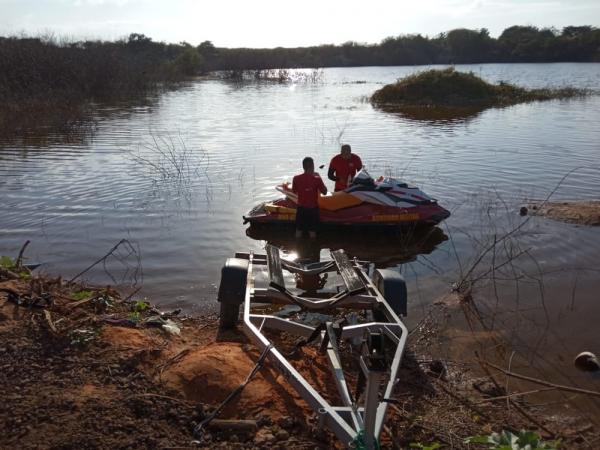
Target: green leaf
141,306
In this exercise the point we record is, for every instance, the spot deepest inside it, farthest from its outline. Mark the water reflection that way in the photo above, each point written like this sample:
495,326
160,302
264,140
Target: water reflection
385,249
433,115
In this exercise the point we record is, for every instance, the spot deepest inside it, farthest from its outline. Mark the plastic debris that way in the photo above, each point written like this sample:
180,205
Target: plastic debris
171,327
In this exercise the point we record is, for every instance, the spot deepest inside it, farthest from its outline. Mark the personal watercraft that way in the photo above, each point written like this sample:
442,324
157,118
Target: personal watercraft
384,202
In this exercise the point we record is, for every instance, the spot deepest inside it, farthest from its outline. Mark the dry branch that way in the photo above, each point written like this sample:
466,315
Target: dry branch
543,382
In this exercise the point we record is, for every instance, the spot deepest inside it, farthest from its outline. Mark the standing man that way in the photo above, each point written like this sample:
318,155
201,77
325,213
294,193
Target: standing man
307,186
343,167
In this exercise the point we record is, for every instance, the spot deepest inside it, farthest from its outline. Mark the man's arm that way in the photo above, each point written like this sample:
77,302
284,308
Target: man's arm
294,187
331,174
358,163
322,187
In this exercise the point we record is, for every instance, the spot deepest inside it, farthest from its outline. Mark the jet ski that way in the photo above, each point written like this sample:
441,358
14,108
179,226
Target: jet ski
383,202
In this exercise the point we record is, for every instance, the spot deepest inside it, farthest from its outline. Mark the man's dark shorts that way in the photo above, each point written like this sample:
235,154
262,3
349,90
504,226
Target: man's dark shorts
307,219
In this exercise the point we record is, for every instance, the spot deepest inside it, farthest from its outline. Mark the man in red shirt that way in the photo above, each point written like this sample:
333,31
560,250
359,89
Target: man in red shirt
307,186
343,167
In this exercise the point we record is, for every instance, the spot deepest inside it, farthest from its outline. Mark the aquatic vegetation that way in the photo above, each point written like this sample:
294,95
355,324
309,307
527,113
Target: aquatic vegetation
173,168
279,75
449,88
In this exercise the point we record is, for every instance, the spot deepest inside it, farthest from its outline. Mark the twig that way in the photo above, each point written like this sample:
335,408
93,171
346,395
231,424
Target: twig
110,252
543,382
82,302
48,316
462,400
524,413
515,394
132,294
513,231
183,402
19,261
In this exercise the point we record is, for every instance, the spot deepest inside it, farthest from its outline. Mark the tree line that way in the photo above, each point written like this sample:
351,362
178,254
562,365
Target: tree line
459,46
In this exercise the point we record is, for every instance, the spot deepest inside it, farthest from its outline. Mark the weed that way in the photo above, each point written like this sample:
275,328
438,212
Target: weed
418,445
6,262
81,295
525,440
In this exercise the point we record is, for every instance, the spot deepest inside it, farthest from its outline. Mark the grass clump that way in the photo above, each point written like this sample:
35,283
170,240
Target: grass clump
449,88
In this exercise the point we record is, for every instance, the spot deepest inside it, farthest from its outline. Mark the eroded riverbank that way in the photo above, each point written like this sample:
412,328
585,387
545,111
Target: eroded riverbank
96,370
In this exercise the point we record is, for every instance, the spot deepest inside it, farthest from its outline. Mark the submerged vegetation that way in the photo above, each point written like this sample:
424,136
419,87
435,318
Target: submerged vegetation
452,90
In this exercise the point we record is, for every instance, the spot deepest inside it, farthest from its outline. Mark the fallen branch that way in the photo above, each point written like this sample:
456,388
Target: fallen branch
82,302
8,274
543,382
512,402
515,394
238,426
110,252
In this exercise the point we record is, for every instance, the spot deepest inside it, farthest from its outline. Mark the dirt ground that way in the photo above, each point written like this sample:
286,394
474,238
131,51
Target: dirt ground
80,373
581,212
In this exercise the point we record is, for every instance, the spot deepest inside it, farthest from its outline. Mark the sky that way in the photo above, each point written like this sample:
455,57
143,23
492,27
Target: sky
273,23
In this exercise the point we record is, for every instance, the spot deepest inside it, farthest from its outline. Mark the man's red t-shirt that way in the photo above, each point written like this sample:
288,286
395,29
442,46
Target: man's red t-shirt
344,169
308,186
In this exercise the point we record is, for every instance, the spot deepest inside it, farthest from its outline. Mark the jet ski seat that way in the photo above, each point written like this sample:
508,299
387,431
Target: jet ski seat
339,200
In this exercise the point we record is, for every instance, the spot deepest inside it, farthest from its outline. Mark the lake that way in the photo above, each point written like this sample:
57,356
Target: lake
226,145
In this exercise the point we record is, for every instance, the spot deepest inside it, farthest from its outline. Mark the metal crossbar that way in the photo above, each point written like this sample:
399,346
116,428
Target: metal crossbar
353,419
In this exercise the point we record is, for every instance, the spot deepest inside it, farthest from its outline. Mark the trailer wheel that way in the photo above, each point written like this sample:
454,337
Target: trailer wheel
228,316
392,287
232,291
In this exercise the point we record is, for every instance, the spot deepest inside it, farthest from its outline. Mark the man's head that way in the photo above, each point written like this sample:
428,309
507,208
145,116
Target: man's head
346,152
308,165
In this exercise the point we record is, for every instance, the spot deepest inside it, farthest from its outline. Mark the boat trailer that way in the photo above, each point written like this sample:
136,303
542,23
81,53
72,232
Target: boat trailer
369,299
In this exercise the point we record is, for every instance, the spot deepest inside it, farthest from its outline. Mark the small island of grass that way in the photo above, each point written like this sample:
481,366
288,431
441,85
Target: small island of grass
449,88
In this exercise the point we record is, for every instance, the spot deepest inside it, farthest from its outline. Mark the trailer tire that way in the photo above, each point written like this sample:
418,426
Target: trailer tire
390,283
228,316
232,291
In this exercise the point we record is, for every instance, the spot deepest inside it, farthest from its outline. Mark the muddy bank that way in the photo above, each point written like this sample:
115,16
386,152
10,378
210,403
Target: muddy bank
578,212
83,368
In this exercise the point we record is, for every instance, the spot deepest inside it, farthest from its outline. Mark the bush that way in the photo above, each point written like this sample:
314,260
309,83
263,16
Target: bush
449,88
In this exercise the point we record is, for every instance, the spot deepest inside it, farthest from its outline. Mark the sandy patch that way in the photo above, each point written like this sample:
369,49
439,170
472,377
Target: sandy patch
581,213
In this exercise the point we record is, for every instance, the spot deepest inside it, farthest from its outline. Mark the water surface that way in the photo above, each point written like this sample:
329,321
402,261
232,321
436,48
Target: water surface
75,200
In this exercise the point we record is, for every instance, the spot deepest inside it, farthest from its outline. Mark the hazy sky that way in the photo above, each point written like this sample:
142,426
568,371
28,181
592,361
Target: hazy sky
270,23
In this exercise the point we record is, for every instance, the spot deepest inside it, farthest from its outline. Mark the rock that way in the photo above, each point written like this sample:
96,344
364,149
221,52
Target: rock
437,367
264,436
587,361
286,422
523,211
282,435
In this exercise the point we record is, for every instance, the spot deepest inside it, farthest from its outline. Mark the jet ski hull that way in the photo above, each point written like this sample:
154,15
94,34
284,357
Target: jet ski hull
283,211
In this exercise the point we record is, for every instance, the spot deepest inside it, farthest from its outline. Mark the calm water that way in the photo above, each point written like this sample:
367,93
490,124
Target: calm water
74,201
